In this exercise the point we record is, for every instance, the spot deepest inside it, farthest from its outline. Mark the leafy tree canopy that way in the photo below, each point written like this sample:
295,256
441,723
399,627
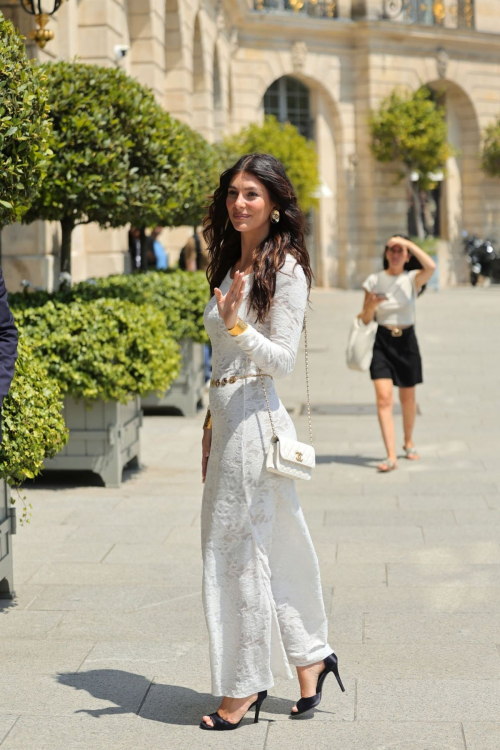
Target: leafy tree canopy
410,128
112,145
24,128
119,157
199,170
282,140
490,161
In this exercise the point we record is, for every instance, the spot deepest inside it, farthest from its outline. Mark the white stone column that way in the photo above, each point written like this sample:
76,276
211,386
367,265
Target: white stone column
487,16
147,41
344,8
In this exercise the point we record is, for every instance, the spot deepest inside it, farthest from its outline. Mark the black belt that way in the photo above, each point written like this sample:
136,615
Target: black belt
395,332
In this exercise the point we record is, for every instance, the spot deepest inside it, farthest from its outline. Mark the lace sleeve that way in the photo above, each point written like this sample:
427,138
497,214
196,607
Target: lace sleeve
276,355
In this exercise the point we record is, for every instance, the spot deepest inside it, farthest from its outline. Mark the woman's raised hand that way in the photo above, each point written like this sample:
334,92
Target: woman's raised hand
399,241
230,303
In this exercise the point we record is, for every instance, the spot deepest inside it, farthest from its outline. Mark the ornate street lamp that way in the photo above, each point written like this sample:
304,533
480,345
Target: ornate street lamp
40,9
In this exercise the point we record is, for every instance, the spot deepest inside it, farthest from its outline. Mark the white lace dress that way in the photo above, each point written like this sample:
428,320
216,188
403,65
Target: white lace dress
261,583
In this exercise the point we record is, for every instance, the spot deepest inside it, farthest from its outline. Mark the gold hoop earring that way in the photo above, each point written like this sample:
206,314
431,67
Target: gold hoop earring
275,215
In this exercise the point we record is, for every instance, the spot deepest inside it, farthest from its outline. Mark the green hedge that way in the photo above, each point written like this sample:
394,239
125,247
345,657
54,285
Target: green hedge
32,424
105,349
181,296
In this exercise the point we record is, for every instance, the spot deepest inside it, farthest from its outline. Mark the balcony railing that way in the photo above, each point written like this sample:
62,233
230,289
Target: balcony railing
454,14
311,8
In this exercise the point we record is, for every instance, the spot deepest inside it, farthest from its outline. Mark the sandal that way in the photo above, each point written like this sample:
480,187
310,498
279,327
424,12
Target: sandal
411,453
386,466
220,724
306,704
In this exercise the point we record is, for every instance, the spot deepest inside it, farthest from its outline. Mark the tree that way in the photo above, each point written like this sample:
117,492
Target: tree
116,153
24,128
410,128
490,161
199,170
282,140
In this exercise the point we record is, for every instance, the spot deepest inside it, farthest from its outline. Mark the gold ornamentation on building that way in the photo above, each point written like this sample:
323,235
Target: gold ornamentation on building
42,35
330,9
439,11
469,13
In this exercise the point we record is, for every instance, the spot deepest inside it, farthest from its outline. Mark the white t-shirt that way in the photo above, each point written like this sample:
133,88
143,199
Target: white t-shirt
399,307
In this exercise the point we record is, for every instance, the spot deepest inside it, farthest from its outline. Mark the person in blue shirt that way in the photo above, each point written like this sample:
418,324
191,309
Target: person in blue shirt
157,255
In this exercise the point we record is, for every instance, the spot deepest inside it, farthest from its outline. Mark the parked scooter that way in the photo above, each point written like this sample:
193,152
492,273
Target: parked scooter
482,258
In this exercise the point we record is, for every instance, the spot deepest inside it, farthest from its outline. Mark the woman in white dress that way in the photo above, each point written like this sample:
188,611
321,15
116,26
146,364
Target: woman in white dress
261,583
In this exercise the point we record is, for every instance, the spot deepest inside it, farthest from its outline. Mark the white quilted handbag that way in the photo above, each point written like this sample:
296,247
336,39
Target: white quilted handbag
291,458
360,345
286,456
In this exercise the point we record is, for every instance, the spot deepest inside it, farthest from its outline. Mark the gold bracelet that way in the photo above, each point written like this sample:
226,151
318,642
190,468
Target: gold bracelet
238,328
207,424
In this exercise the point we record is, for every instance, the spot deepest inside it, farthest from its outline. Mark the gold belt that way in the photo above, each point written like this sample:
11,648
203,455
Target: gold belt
396,332
233,378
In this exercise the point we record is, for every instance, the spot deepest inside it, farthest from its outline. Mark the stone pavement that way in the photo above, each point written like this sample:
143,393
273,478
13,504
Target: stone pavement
105,646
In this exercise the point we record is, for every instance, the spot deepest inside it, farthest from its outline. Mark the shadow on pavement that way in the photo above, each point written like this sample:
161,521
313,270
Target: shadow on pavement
135,694
58,481
366,461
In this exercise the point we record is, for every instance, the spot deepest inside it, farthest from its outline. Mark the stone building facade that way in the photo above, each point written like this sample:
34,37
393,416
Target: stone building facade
324,64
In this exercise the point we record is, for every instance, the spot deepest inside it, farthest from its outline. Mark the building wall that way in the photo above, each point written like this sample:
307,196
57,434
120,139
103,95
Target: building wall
350,63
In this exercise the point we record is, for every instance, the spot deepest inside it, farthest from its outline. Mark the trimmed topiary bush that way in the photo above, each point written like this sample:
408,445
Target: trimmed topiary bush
409,128
108,349
116,153
181,296
24,128
32,424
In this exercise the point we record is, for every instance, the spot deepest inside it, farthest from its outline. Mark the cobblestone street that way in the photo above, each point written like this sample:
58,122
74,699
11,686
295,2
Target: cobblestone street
105,647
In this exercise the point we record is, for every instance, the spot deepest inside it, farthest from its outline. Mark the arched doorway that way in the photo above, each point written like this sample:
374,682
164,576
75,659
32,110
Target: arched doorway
305,104
461,198
288,99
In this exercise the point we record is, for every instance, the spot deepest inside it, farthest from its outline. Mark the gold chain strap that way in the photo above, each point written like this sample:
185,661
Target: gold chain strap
307,380
307,386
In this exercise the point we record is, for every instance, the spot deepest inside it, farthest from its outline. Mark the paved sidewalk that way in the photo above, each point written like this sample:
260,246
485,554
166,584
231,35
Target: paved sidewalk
105,646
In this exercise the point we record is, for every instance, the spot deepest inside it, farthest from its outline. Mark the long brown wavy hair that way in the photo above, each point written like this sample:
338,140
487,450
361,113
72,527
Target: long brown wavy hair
285,237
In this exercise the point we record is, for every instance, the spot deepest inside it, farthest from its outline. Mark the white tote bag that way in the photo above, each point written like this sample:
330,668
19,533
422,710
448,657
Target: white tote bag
360,345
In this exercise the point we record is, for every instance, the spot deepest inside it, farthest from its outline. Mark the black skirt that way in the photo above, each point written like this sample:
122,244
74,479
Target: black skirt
397,358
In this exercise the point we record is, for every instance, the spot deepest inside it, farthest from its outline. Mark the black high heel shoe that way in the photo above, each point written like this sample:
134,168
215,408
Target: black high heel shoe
306,704
221,724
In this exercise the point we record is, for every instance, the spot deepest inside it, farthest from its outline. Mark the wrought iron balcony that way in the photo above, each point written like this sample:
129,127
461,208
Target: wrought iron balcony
311,8
453,14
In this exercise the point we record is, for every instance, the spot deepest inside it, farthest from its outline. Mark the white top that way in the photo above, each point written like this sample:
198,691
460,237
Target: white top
401,291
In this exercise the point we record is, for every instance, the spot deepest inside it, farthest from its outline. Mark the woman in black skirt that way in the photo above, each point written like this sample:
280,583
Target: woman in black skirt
390,297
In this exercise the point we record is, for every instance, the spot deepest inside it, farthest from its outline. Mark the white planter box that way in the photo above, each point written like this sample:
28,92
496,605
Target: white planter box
187,390
103,438
7,528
